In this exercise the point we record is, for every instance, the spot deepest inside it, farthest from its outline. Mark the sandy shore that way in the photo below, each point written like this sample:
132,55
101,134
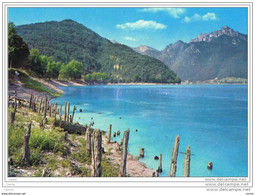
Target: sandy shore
58,83
135,168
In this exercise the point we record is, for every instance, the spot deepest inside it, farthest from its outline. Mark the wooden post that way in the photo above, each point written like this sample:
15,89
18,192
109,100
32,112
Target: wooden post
71,119
36,98
186,164
88,141
55,111
34,105
109,133
15,104
65,112
26,155
31,100
173,166
48,104
66,136
49,111
60,115
141,153
96,153
160,164
45,107
40,108
12,117
123,163
60,112
68,110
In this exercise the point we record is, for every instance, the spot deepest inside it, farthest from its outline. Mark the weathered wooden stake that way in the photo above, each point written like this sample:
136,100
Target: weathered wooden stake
109,133
40,108
45,107
96,153
186,164
31,100
12,117
65,112
9,100
123,163
66,136
26,155
71,120
141,153
15,104
60,112
55,111
160,164
173,166
49,111
34,105
88,140
68,110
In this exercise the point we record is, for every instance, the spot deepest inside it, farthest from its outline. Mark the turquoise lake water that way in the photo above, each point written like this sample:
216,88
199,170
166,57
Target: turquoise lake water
212,119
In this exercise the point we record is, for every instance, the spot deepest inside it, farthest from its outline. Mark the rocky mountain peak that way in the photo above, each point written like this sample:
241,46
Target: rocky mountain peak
225,30
144,48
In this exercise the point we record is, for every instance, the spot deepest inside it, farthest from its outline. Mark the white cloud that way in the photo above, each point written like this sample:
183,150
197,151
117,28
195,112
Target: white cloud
209,16
186,19
197,17
174,12
129,38
142,24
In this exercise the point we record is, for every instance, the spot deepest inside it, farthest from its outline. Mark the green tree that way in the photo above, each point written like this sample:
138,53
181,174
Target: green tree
97,77
72,70
136,78
18,51
53,68
37,63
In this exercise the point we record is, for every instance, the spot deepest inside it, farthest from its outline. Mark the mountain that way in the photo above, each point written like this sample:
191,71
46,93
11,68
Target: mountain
219,54
143,49
68,40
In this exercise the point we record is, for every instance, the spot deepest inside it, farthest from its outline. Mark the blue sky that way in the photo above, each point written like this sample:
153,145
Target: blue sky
155,27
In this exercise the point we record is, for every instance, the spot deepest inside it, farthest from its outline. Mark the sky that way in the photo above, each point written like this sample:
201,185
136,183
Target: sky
154,27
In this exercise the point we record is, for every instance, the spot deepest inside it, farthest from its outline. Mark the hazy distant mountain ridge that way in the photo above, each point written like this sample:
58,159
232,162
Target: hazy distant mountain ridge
143,49
220,54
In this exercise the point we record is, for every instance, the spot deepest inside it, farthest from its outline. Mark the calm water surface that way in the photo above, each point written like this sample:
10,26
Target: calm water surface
212,119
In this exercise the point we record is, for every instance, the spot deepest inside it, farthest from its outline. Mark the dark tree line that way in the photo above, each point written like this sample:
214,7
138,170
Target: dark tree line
18,51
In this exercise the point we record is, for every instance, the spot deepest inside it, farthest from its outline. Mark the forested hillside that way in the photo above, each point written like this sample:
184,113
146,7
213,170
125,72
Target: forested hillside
68,40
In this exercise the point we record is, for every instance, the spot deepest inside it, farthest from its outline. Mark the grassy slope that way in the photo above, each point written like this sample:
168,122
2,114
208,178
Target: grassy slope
50,154
28,82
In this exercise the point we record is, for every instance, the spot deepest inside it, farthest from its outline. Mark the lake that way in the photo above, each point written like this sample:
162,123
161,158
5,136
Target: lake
212,119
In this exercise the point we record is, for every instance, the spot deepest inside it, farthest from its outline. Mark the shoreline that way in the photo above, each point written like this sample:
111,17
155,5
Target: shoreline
57,83
134,168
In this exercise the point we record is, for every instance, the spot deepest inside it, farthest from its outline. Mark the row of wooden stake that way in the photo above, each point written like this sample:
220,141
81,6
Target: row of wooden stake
94,140
173,165
93,137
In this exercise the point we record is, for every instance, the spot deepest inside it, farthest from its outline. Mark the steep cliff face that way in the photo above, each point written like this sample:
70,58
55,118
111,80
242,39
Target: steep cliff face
222,53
